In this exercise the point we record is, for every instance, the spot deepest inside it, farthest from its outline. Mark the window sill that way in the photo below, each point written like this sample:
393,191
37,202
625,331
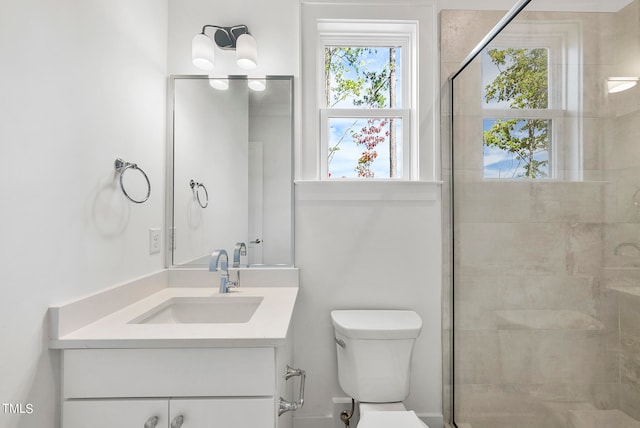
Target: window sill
369,190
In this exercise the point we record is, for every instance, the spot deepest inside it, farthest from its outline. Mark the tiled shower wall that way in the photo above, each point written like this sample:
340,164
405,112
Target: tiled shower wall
537,321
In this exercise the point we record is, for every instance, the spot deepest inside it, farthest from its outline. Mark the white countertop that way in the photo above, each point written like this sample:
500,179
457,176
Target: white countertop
267,327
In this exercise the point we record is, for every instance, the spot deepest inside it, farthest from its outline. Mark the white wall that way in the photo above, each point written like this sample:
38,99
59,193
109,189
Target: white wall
82,83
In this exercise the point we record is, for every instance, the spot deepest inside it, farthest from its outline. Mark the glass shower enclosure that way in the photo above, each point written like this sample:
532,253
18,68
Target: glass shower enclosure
544,172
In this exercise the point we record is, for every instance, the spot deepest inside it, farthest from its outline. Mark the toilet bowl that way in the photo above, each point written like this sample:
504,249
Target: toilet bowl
374,358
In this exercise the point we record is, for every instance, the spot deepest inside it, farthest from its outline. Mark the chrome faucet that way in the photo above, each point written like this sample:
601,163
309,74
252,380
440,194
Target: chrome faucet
240,250
225,284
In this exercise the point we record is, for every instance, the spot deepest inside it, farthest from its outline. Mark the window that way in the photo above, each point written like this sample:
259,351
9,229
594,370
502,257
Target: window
366,107
516,133
530,94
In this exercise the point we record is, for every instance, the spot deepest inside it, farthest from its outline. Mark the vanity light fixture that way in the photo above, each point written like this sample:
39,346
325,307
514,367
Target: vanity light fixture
619,84
228,38
257,85
219,84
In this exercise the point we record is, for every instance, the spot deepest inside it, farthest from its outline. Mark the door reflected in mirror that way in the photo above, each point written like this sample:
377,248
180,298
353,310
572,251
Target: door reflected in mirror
233,148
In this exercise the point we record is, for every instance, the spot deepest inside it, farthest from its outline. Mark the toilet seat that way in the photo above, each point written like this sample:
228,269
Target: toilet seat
390,419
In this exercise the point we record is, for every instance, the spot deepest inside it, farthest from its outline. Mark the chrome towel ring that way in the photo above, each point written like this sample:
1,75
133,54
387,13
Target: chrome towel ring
195,186
121,167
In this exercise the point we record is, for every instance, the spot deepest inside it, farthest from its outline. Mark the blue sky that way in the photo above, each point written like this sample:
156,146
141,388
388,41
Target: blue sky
502,164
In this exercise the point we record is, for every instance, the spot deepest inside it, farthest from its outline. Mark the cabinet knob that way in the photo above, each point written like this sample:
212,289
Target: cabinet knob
177,421
151,422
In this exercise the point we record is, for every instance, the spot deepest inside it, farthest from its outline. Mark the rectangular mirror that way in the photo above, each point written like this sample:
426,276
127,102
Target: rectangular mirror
230,169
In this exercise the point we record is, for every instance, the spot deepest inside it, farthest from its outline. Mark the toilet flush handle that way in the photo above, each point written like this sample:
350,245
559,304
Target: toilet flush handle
340,342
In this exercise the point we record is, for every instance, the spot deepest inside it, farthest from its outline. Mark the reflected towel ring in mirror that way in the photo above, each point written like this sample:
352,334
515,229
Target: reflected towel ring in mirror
196,187
121,167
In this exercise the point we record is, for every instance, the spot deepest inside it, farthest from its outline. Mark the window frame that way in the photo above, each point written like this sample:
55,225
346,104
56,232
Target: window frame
561,39
371,34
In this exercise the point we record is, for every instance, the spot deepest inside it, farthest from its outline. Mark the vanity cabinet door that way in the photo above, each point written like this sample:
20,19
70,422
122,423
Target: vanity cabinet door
130,413
222,412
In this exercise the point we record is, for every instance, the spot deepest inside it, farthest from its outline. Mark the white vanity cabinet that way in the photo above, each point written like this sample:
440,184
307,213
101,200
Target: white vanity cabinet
129,413
175,387
119,371
171,413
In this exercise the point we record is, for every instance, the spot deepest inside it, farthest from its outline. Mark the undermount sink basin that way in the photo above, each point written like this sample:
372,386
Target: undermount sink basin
222,309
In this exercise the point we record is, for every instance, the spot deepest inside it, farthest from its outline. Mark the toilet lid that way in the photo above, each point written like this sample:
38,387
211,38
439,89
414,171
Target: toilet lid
407,419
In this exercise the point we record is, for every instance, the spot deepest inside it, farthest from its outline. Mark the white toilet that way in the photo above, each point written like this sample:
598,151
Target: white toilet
374,359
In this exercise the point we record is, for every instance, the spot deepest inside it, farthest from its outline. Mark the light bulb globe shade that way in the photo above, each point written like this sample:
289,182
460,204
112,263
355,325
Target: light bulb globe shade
219,84
258,85
619,84
202,52
246,52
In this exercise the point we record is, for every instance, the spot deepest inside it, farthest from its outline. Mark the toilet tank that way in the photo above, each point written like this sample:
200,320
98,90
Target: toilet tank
374,352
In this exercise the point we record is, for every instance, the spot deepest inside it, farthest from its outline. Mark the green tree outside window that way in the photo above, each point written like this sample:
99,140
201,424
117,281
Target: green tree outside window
523,83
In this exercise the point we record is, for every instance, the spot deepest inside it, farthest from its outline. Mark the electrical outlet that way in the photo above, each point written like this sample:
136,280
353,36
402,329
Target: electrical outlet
154,241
